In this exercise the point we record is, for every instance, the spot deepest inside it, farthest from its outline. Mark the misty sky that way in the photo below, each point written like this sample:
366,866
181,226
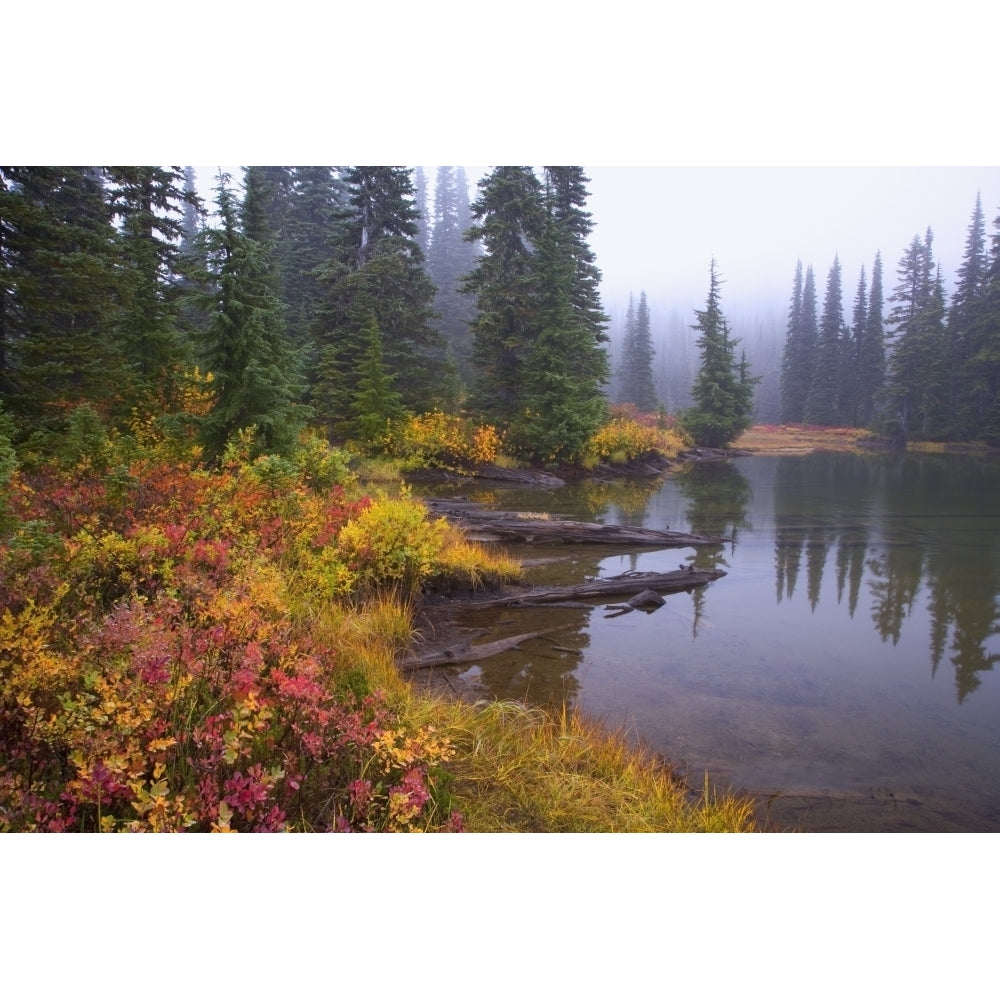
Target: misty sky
657,228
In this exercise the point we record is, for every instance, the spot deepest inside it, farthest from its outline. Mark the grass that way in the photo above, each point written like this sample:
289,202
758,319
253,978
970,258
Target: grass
520,769
792,439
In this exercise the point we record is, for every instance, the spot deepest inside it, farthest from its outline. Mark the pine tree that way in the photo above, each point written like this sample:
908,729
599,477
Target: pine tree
851,362
449,259
967,325
510,219
822,402
793,385
871,354
561,399
918,362
637,382
60,283
376,403
150,204
723,389
420,201
985,364
255,370
378,270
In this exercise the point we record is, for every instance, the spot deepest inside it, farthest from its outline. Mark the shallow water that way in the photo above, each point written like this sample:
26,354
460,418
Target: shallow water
842,669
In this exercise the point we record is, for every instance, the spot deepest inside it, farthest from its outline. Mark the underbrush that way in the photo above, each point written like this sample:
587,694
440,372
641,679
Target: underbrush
184,649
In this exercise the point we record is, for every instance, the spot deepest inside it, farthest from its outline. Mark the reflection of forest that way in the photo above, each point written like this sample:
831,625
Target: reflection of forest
910,521
718,495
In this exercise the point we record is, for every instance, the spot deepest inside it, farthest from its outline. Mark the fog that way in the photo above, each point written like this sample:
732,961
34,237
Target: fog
657,228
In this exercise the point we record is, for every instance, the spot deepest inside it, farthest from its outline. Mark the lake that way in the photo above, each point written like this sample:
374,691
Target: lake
842,670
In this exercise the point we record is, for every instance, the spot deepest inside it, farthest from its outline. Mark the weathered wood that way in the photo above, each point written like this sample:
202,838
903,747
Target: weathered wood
524,477
611,586
529,528
464,652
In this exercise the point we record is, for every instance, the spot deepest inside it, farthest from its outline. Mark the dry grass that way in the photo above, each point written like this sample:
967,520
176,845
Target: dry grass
520,769
800,439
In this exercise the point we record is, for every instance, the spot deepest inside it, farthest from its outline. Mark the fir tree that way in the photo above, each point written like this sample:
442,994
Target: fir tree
851,362
794,386
150,205
376,403
823,403
968,324
562,403
916,389
637,376
871,354
449,259
378,269
254,369
59,287
510,218
723,389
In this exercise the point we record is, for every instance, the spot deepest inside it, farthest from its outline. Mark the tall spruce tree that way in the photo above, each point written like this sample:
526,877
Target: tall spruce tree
449,259
918,362
637,385
539,326
255,371
723,388
851,362
378,270
823,400
561,400
150,204
510,219
60,283
871,354
984,367
794,384
968,323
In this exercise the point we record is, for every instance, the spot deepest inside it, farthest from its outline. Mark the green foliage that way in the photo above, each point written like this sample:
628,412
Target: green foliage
723,389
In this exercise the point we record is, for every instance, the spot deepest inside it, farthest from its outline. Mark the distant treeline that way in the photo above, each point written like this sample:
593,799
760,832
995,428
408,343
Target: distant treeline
338,297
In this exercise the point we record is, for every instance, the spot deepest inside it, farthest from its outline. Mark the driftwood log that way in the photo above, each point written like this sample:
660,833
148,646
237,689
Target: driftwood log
465,652
610,586
482,524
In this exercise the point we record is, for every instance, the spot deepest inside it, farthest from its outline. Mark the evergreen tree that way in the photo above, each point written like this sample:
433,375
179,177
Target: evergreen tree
822,402
626,363
566,198
871,354
851,362
984,366
449,259
510,219
918,363
420,201
255,371
378,271
59,287
376,403
967,325
794,386
312,229
562,403
723,389
150,204
637,382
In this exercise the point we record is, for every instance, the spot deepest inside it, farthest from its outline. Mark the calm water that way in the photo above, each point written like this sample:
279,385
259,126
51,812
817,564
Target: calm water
843,669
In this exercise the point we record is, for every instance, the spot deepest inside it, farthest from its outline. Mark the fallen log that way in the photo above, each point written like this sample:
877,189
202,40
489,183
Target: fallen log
528,528
611,586
465,652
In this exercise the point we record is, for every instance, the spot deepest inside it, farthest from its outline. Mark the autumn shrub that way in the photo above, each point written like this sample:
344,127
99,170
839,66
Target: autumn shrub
623,440
155,673
444,441
391,545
